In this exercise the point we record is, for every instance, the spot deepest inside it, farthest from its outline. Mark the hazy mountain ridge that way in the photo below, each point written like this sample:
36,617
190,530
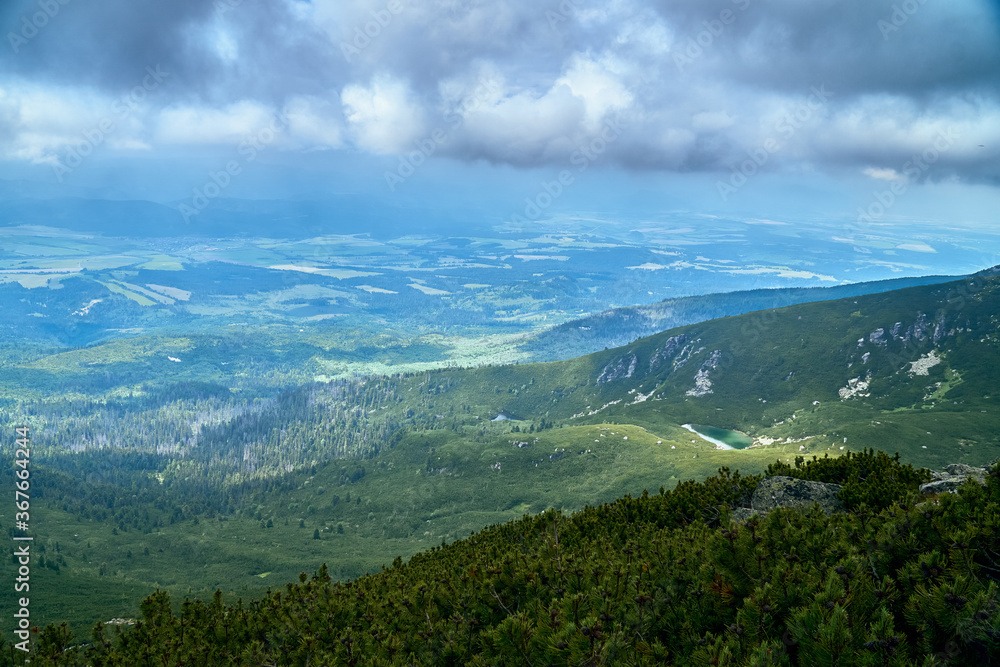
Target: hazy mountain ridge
620,326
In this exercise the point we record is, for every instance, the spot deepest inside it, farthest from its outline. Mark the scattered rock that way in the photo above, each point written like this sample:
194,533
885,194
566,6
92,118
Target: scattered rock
963,469
668,350
780,491
923,365
855,387
618,369
954,476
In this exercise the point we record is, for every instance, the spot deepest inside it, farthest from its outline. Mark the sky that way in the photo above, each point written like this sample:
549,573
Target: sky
876,110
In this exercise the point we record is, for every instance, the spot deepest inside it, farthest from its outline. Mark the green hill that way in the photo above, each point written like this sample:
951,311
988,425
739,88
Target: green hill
621,326
191,487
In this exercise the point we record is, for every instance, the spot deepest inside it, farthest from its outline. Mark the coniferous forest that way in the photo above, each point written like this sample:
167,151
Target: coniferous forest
899,578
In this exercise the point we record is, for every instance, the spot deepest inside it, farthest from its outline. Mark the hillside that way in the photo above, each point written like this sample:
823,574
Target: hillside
192,487
620,326
898,579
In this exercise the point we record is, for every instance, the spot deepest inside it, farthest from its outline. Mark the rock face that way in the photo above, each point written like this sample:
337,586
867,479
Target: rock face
668,350
702,381
953,477
619,369
774,492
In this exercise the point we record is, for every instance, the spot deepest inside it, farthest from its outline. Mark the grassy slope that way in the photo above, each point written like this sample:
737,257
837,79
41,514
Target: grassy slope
409,503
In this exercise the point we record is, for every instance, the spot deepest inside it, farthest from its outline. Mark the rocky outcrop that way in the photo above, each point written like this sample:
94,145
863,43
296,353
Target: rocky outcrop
780,491
702,381
668,350
952,478
619,369
774,492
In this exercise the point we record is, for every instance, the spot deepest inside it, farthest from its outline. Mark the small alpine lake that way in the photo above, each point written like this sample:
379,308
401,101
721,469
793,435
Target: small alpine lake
720,437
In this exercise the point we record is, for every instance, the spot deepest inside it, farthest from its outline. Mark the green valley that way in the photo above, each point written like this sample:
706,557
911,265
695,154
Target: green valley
192,486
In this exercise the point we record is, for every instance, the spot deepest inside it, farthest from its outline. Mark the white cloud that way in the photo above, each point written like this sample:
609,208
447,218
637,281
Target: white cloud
522,125
883,174
313,122
206,125
384,117
916,247
599,86
46,125
557,81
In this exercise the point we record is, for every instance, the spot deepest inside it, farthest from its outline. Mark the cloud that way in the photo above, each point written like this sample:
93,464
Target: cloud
312,122
207,125
916,247
561,69
599,87
384,117
883,174
39,121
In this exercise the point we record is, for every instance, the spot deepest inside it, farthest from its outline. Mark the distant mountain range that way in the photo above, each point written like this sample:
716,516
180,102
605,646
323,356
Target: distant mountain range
620,326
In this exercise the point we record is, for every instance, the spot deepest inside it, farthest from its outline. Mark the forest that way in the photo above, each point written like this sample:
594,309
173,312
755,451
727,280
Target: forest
666,578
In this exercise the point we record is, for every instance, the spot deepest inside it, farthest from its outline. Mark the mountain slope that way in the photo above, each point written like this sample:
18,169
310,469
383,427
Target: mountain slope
921,357
138,488
661,579
621,326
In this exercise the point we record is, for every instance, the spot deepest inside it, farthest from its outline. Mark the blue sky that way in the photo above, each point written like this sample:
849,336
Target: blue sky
826,110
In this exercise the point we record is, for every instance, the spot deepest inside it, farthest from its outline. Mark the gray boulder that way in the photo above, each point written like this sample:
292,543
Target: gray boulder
954,476
965,470
742,514
780,491
774,492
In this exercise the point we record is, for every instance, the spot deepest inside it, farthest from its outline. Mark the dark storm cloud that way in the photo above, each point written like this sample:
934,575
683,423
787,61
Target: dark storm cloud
916,47
694,84
107,44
